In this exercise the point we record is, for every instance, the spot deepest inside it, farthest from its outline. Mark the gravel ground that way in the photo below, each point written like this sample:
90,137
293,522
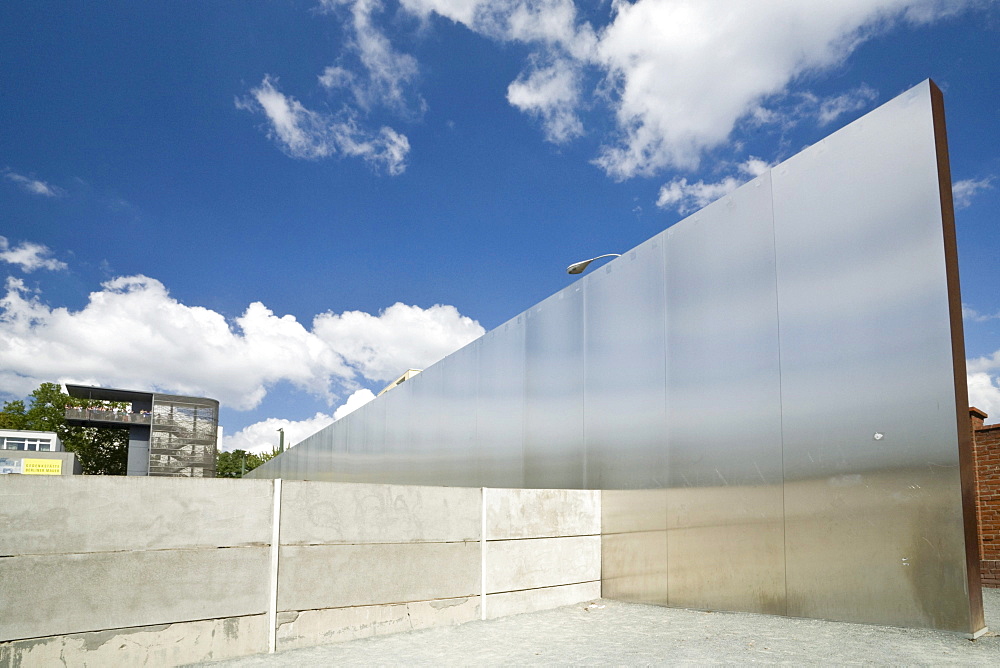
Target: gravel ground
611,632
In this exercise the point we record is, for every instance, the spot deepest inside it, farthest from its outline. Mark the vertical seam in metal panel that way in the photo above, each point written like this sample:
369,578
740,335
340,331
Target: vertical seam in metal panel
583,387
665,470
272,608
482,554
781,400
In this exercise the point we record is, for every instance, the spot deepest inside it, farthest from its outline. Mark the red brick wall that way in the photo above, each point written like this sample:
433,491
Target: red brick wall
986,440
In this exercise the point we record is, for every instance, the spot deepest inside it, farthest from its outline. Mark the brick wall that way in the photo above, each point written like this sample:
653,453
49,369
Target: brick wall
986,440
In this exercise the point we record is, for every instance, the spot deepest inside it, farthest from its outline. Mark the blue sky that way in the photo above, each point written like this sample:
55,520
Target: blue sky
285,204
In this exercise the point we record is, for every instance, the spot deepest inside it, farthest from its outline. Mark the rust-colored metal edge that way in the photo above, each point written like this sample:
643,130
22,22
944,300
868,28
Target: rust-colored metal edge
966,454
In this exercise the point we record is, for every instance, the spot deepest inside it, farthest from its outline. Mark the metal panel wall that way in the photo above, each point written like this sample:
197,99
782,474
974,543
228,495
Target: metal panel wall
724,506
766,391
872,487
553,408
500,405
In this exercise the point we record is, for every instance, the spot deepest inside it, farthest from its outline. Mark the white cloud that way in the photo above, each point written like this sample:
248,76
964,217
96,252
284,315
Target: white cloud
791,108
972,315
686,197
679,75
545,22
984,364
676,75
29,256
550,93
386,74
263,436
33,186
133,334
984,394
399,338
336,77
963,191
307,134
832,108
353,403
684,72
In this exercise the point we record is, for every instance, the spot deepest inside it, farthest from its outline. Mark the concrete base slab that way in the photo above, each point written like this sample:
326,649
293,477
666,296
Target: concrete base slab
162,645
315,627
533,600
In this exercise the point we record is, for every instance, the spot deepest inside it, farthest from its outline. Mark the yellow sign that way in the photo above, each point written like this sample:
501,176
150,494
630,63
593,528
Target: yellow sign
41,467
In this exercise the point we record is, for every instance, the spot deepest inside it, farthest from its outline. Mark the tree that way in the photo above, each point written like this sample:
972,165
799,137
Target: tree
101,451
14,415
237,463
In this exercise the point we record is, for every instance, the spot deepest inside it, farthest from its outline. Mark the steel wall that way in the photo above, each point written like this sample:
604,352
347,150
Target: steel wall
770,391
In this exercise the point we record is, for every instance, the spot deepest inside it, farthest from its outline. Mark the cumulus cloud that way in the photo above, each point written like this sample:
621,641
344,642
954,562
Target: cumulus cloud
308,134
29,256
685,73
132,333
262,436
550,93
686,197
32,185
984,394
676,76
984,364
963,191
383,346
353,403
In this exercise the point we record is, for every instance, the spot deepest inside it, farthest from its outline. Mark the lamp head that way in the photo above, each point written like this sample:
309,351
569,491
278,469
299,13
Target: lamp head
578,267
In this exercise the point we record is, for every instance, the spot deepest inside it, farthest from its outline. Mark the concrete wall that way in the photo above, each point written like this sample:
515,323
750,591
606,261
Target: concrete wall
121,571
114,570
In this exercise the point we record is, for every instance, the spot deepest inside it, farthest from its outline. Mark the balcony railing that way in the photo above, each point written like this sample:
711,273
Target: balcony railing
105,415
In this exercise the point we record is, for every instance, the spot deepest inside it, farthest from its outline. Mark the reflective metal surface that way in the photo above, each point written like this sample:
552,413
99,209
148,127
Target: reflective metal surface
871,469
724,505
766,392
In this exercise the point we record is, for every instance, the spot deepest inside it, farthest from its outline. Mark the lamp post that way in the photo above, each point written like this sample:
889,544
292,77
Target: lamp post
281,442
578,267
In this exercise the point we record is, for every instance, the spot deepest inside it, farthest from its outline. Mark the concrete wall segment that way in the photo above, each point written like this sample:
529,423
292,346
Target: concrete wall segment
541,513
72,593
511,565
55,515
333,576
145,571
324,513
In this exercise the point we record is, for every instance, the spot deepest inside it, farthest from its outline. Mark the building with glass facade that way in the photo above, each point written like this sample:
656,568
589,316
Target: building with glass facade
169,435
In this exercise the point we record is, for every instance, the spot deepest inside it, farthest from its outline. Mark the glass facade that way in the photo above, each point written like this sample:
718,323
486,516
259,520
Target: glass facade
168,435
182,440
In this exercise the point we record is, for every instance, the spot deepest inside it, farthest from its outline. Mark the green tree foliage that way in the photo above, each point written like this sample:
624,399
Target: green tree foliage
13,415
239,462
101,451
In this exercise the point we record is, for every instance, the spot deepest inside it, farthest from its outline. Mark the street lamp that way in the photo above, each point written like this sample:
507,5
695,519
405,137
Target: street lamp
578,267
